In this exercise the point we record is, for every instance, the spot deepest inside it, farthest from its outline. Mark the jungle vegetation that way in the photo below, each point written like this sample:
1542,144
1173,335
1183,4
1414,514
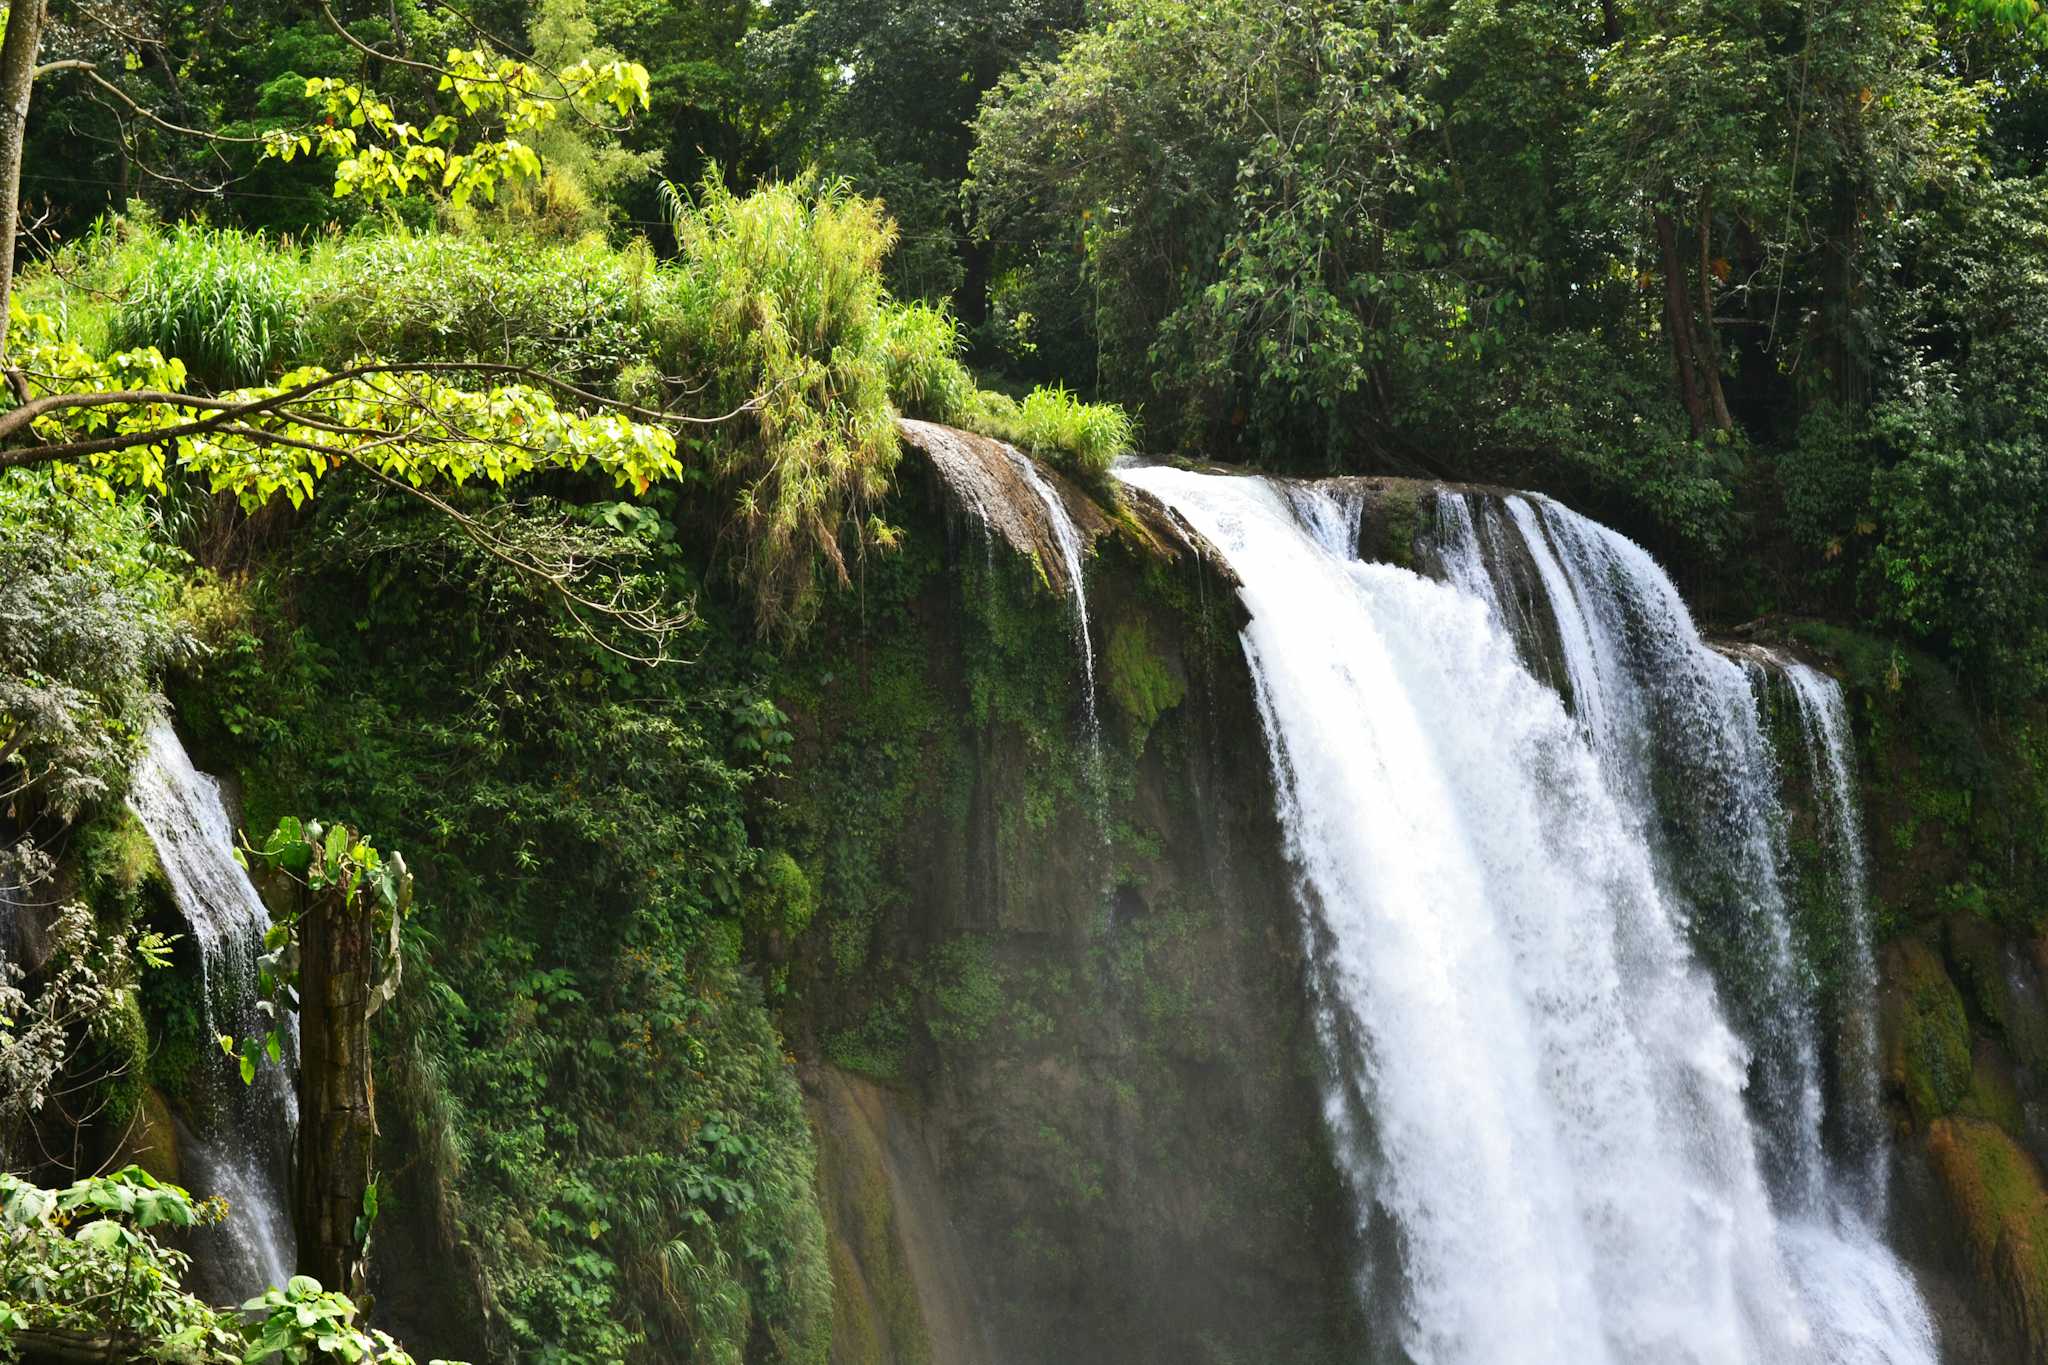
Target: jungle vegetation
467,413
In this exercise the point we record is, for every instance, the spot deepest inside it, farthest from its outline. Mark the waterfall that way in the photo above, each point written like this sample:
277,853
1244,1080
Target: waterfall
241,1147
1681,737
1824,726
1531,1070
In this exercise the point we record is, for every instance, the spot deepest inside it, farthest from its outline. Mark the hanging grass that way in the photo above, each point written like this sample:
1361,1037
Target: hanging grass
778,302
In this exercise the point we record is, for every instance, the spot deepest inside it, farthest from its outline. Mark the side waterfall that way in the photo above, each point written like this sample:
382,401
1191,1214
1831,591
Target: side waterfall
1533,1075
1068,537
243,1149
1824,725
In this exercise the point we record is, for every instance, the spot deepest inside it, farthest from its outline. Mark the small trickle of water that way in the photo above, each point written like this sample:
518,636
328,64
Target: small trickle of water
243,1150
1068,537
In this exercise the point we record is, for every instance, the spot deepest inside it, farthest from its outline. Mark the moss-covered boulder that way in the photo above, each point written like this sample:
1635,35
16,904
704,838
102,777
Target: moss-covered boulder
151,1139
2001,1203
1927,1049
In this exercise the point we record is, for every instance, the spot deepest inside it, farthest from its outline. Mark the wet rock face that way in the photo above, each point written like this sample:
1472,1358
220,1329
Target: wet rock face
1076,1035
1963,1075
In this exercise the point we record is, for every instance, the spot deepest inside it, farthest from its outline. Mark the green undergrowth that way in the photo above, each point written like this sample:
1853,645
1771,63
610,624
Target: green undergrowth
1955,792
771,317
606,1117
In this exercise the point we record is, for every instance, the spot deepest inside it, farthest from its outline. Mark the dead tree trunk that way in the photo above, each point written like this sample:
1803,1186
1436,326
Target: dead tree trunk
337,1115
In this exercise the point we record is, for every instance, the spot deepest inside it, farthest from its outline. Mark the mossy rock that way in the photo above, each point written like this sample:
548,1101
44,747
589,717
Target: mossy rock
1993,1096
876,1315
1928,1059
2001,1205
151,1140
1141,680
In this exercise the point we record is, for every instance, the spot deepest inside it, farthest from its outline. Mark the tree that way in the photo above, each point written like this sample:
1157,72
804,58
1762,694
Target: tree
132,415
885,94
333,961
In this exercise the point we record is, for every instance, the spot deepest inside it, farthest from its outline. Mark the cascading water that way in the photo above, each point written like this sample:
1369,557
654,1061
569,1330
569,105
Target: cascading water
1532,1076
243,1150
1824,725
1681,742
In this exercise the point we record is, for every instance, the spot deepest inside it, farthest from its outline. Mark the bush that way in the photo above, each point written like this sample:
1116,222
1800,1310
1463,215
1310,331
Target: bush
1079,438
573,309
228,304
779,308
926,377
87,628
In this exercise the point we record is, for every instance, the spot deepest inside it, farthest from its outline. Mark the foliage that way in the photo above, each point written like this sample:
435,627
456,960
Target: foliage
85,995
226,304
327,860
1234,266
621,1140
86,628
303,1323
885,95
499,103
411,426
781,302
86,1259
1080,438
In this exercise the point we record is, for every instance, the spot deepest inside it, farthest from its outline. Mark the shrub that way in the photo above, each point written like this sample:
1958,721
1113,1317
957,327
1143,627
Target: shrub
779,307
1079,438
573,309
926,377
87,628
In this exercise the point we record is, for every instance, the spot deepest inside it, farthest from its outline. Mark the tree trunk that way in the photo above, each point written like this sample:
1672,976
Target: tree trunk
337,1119
1838,296
1710,349
1678,323
17,81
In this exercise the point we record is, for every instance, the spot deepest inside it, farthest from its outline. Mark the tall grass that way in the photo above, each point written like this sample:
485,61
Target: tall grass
774,309
229,304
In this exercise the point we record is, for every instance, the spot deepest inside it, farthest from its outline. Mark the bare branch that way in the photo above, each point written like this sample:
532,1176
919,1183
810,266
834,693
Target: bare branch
92,73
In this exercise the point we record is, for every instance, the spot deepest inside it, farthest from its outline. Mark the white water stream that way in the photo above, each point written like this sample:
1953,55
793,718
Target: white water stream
1068,537
242,1144
1554,1110
1824,724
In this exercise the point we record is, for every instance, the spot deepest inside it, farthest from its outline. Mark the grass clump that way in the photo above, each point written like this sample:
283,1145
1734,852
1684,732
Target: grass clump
1078,438
229,304
778,307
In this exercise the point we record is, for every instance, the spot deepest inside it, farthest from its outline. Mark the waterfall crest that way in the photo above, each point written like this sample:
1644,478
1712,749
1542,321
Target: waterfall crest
1532,1073
240,1148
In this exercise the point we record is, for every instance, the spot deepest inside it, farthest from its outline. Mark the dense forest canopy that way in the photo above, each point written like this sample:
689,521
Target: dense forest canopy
1749,274
475,416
